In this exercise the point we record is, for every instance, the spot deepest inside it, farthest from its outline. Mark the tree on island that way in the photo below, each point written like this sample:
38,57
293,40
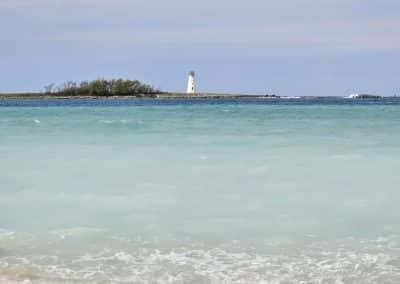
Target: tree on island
48,89
102,87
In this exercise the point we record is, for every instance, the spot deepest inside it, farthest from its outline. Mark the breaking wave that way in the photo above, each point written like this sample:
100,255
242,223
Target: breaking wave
375,261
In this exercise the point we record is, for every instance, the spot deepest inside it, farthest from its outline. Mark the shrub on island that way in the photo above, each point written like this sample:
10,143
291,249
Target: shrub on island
102,87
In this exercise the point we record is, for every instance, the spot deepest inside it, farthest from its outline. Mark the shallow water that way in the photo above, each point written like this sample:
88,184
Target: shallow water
200,191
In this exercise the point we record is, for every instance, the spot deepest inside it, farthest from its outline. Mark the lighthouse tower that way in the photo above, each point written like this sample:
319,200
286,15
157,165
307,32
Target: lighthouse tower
191,83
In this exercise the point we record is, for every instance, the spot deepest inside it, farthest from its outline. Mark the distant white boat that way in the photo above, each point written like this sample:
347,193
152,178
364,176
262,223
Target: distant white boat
363,96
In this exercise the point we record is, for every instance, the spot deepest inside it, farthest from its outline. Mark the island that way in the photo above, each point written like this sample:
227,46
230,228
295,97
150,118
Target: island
116,88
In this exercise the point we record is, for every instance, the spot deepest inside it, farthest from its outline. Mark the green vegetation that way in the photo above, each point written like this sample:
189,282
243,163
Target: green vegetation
102,87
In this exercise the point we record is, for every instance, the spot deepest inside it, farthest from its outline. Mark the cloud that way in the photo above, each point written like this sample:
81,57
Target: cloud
136,25
323,24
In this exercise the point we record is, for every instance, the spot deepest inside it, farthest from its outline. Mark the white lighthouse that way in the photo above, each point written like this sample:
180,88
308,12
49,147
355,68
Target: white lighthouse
191,83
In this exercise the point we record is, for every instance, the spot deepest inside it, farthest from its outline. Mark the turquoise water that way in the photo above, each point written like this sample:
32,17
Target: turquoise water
200,191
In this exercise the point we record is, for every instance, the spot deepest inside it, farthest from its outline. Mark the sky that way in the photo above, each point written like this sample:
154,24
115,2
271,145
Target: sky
286,47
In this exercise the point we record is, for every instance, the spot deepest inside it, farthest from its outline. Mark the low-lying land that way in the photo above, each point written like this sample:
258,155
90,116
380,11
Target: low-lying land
114,88
161,95
129,89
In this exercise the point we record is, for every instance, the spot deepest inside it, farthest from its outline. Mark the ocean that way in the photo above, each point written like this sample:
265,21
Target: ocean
200,191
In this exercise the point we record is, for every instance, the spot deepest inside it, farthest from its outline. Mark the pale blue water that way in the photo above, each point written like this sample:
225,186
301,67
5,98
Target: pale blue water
200,191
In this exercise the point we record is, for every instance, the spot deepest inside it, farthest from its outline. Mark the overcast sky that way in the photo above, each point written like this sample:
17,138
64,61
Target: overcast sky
287,47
